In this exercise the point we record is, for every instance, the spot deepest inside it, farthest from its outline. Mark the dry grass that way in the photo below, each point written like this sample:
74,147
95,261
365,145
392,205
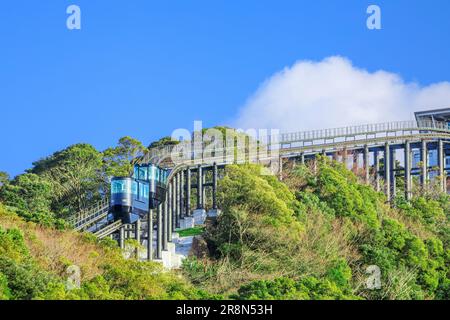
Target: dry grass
55,250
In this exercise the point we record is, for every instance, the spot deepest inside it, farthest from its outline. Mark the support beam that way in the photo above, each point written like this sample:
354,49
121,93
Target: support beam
137,231
122,237
377,170
165,225
159,230
177,199
280,168
174,204
137,235
408,182
214,187
344,157
199,187
204,189
150,235
366,165
302,158
441,163
355,157
188,192
182,206
387,170
169,212
393,179
424,159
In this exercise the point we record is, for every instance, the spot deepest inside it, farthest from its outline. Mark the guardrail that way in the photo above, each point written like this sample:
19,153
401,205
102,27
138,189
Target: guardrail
90,215
108,229
306,136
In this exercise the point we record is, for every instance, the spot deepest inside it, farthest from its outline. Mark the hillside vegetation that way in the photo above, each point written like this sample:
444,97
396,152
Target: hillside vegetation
318,234
35,263
314,235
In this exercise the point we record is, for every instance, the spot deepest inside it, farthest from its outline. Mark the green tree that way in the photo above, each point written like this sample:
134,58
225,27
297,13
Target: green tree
4,178
76,174
165,141
118,161
31,195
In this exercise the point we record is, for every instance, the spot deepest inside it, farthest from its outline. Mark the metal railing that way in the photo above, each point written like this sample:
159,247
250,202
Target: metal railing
323,134
108,229
364,130
89,216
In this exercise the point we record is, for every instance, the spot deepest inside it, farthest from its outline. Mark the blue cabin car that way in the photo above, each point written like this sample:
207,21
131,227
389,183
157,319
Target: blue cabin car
132,197
123,190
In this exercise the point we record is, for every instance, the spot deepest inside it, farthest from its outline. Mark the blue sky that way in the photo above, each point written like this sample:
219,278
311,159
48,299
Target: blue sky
143,68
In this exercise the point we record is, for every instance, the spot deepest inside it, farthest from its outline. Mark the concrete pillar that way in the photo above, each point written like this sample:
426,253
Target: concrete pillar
377,170
137,235
344,157
355,160
159,231
302,158
137,228
366,165
174,204
165,225
169,212
177,199
393,180
150,235
199,187
441,162
214,187
188,192
424,159
122,237
387,170
182,206
204,188
280,168
408,184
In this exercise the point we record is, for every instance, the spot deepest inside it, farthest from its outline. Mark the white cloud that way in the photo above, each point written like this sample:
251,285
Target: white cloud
334,93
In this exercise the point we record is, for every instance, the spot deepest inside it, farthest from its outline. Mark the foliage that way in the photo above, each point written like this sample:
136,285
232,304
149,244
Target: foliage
31,196
192,231
4,178
307,288
76,176
165,141
118,161
26,273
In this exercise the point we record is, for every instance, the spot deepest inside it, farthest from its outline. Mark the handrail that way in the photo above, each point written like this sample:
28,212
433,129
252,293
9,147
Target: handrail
291,137
89,214
108,229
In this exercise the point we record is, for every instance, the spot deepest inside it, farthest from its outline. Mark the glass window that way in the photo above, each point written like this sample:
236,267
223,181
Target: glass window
136,172
120,186
157,174
143,173
151,172
134,188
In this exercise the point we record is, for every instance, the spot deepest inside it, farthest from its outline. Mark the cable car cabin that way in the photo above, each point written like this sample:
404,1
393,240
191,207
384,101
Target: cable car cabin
123,191
133,197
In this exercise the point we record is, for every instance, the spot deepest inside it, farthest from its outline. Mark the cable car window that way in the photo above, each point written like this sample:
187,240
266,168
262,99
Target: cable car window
151,172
